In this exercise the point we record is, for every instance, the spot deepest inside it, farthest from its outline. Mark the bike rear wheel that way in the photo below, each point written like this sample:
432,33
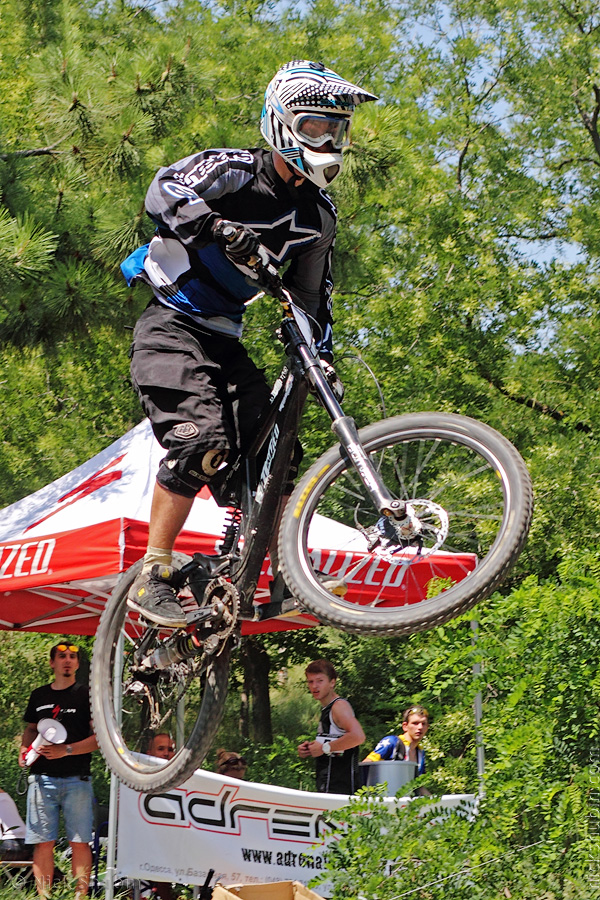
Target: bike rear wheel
469,501
129,705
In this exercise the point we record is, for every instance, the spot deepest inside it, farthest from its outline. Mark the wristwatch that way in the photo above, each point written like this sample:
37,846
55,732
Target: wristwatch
327,748
69,749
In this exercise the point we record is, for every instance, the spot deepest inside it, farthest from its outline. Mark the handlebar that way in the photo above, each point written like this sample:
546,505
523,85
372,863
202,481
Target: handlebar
266,274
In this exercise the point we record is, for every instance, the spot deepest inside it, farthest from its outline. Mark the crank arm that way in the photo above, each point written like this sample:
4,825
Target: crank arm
205,615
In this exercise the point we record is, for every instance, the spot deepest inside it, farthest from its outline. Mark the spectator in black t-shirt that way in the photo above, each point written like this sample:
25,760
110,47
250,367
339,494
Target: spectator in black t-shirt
60,778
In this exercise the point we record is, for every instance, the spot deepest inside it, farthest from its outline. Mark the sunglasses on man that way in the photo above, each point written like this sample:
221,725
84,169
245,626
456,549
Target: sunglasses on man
235,762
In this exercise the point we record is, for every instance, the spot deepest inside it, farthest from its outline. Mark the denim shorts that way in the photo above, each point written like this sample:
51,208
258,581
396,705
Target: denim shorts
47,796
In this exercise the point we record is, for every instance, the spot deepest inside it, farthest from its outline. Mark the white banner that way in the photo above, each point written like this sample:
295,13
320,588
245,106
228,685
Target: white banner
246,832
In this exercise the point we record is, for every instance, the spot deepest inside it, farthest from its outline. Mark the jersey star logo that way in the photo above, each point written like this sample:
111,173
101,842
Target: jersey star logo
283,234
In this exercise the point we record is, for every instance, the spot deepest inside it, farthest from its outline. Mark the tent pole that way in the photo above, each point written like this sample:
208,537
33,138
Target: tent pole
111,850
109,881
477,710
179,723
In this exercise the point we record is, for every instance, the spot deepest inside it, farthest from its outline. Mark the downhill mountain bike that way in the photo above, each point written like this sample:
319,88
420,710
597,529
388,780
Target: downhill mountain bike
398,527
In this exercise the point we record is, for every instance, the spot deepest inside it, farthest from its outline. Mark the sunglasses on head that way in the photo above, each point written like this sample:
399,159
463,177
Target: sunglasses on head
73,648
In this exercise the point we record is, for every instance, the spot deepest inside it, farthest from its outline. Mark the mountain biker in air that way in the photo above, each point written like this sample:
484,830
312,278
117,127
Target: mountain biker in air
215,212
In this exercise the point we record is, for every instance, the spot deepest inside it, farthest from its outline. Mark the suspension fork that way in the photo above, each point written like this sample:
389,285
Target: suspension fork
344,428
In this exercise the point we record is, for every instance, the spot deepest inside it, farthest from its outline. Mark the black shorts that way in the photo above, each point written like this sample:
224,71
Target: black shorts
200,390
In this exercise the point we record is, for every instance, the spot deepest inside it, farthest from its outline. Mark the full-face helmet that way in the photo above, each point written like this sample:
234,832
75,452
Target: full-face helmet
306,118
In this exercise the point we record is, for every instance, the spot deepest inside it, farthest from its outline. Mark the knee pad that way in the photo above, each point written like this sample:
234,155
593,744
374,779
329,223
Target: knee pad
188,475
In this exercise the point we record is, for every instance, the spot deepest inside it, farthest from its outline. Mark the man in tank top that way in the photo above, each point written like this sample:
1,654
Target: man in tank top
335,749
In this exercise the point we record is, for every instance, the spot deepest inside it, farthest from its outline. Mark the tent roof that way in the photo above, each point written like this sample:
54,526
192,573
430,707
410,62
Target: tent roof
63,548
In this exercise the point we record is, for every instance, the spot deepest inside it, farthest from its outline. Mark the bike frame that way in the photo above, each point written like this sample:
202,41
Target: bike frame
263,493
277,430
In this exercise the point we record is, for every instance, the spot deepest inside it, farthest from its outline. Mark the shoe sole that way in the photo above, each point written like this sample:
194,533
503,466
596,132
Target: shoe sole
156,618
338,588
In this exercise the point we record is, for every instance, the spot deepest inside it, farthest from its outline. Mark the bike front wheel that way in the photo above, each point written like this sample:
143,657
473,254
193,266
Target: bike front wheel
131,704
468,502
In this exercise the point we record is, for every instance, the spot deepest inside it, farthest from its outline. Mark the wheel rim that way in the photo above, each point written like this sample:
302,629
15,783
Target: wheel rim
149,702
130,706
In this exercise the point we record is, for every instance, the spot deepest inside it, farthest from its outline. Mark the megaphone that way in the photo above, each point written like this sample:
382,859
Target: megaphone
49,732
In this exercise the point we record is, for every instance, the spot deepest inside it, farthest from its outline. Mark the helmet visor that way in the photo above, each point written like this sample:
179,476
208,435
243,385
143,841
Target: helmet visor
322,130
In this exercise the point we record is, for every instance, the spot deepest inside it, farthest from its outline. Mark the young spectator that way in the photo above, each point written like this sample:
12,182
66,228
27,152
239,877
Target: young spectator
415,724
339,735
60,778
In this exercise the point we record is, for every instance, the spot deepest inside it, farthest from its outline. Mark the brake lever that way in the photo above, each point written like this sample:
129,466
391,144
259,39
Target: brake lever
267,276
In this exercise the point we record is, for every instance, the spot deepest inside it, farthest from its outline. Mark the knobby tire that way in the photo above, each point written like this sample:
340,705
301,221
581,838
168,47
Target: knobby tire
120,742
453,460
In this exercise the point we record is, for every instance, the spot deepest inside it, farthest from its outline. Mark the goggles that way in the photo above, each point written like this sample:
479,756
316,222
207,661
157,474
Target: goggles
72,648
318,130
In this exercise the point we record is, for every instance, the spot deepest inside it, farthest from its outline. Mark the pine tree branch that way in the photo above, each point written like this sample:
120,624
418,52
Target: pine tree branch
21,154
38,151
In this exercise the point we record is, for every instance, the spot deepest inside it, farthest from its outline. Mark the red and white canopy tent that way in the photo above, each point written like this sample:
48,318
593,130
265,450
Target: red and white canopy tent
63,548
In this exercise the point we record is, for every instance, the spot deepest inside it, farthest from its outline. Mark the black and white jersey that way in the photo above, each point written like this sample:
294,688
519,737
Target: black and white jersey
191,274
338,773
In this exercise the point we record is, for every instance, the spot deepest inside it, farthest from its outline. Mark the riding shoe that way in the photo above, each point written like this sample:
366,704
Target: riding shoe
153,595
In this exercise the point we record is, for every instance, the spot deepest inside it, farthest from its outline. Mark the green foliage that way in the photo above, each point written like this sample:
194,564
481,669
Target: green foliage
278,764
74,398
26,250
467,279
427,851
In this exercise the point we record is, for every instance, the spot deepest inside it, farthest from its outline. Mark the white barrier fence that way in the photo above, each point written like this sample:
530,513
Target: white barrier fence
246,832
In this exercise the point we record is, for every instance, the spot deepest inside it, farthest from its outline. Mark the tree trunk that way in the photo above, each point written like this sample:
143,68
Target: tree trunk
257,665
